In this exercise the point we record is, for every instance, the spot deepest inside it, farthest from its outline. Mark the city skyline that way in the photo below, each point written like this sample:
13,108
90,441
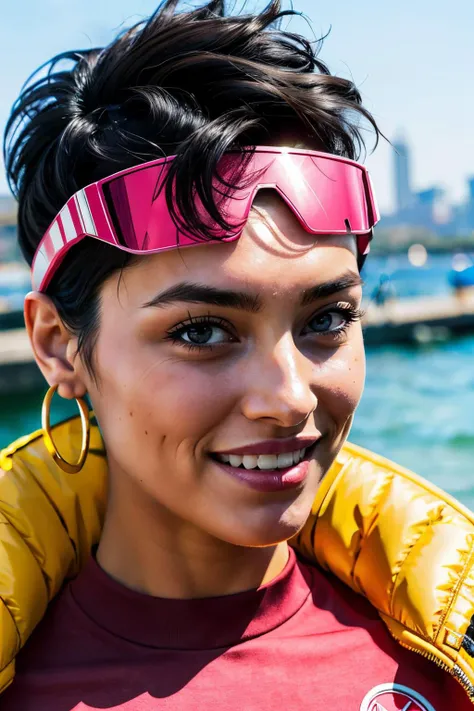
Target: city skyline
430,209
412,71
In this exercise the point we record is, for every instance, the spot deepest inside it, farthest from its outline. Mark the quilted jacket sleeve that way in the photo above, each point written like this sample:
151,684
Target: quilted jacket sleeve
48,523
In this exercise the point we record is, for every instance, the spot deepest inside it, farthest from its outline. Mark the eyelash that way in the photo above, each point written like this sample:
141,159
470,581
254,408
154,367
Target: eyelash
174,334
350,313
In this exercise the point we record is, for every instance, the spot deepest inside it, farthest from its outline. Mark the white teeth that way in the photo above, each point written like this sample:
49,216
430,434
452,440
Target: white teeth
298,456
250,461
286,460
267,461
263,461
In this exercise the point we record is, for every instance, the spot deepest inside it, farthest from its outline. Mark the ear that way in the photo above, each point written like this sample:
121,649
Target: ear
54,347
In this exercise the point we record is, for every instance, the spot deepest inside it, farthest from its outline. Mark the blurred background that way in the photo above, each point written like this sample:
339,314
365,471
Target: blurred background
413,62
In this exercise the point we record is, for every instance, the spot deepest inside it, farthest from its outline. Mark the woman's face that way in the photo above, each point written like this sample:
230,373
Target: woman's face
214,348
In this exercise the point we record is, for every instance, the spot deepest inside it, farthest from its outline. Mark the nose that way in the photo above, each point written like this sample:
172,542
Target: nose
278,386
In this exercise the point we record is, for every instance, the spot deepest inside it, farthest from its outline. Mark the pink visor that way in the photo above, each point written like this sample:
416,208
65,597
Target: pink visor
328,194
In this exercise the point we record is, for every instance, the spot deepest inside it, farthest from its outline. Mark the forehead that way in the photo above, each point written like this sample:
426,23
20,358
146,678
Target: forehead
274,254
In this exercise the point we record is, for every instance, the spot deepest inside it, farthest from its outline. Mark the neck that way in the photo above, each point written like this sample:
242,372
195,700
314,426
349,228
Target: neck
146,548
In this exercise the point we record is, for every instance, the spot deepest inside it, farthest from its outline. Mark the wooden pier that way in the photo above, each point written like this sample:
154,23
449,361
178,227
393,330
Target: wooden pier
420,321
408,321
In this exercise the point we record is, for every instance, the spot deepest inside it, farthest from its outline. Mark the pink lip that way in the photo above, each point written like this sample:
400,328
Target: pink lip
274,446
269,480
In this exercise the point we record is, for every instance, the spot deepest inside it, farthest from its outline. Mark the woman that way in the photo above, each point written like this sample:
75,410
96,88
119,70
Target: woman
224,375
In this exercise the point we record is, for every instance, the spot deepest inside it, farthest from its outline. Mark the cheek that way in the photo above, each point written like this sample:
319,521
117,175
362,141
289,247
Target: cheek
157,406
183,403
341,379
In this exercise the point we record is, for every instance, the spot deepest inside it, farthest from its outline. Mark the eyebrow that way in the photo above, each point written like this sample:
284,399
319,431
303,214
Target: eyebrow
191,293
329,288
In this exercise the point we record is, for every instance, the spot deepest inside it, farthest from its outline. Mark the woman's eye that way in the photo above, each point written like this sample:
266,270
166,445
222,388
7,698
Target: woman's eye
204,335
331,321
201,334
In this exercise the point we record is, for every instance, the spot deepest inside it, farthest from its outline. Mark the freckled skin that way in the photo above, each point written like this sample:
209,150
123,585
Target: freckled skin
174,518
272,384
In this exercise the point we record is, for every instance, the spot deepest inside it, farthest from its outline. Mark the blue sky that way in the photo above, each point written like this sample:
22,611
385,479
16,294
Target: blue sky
412,59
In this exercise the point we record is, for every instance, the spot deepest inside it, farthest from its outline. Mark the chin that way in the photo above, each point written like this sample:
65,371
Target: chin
263,539
268,526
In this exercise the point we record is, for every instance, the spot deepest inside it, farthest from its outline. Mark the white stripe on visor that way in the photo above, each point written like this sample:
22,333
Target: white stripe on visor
40,268
68,224
85,212
56,237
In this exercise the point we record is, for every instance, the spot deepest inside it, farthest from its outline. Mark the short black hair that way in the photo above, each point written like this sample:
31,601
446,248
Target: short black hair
192,84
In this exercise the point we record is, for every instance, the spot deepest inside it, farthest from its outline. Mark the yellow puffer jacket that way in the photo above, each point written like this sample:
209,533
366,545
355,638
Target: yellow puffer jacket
389,535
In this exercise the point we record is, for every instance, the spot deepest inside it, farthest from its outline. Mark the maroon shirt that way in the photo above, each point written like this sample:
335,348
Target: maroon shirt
304,642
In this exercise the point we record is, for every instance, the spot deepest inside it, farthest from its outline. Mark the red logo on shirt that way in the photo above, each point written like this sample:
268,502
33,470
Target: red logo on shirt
394,697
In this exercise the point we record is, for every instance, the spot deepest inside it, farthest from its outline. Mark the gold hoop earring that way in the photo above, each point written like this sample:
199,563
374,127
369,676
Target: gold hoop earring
48,439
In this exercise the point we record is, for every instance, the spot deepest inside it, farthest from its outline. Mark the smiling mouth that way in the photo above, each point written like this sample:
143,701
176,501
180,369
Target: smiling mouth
263,461
266,462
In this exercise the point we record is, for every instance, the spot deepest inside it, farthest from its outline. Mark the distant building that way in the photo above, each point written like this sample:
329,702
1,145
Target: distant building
470,206
429,209
402,176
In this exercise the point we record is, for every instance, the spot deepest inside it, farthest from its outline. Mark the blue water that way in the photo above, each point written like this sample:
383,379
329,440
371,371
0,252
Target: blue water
418,409
418,404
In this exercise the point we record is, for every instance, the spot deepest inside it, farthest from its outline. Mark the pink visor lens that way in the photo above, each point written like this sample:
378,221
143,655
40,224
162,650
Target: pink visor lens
328,195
